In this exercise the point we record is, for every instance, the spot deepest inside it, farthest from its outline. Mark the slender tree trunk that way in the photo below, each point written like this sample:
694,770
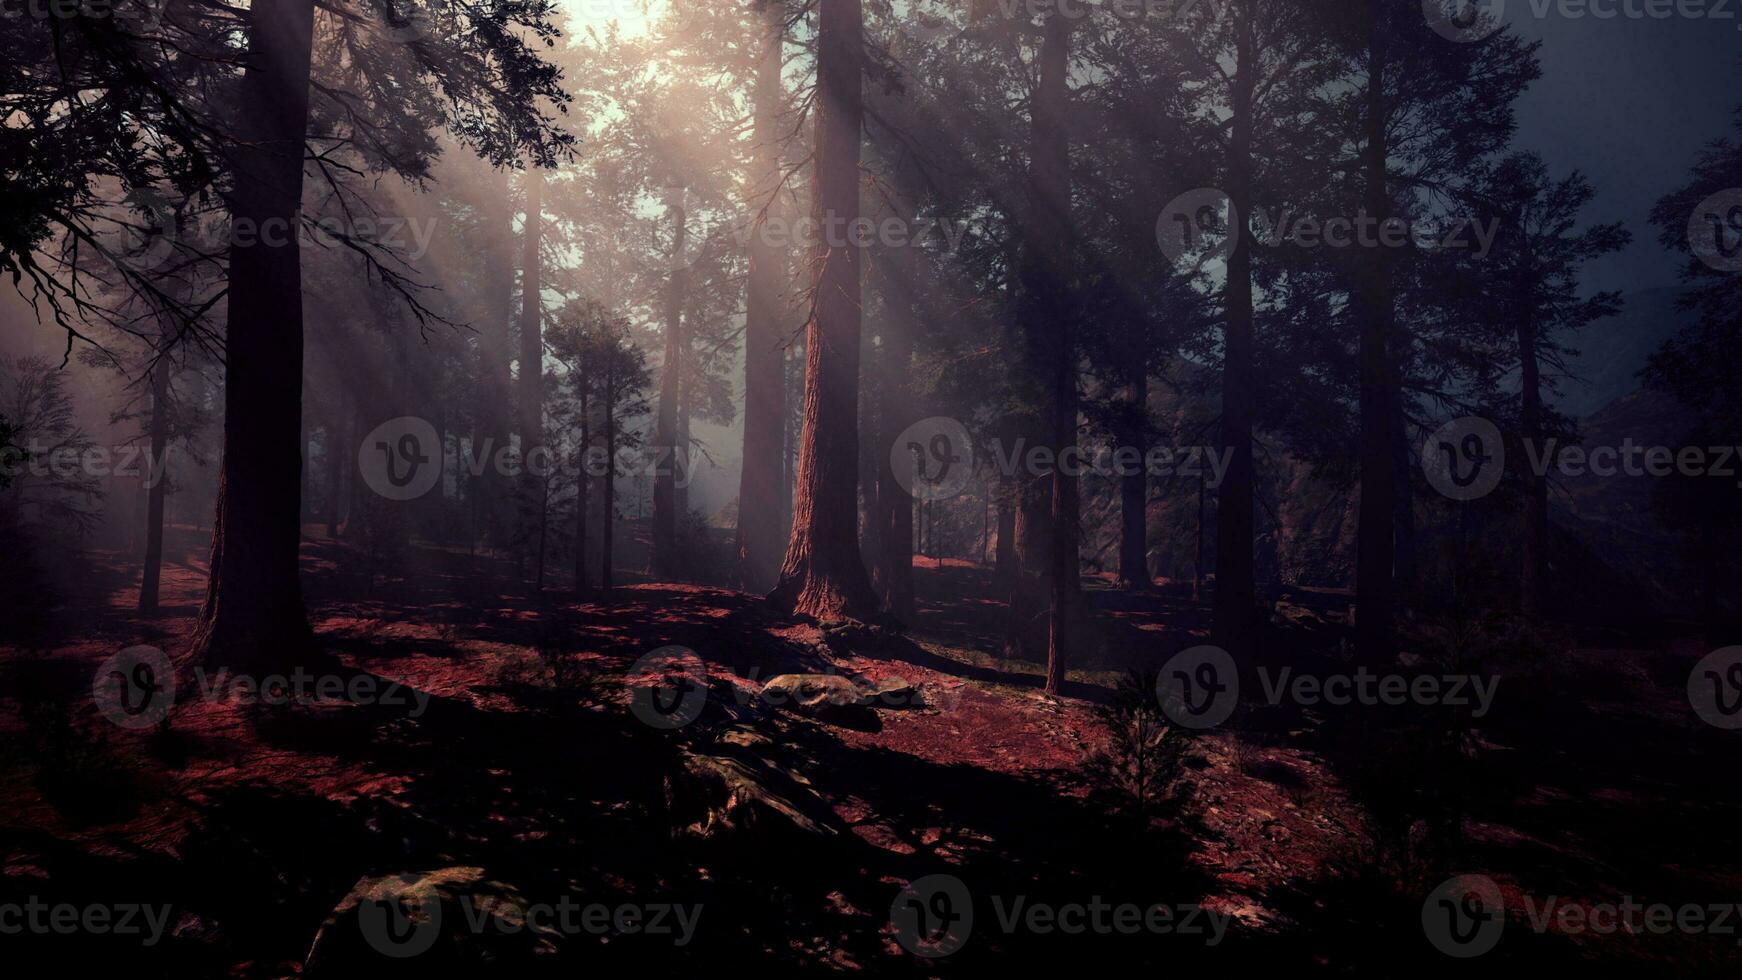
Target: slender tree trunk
1004,566
1134,486
530,389
663,564
1198,561
496,310
608,486
253,612
823,575
1535,572
1049,260
582,481
337,457
1373,309
1236,592
761,491
157,473
893,573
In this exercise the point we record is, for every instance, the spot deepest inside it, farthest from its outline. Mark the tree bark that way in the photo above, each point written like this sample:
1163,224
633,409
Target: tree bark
1236,592
530,389
1535,572
761,495
823,575
156,470
663,561
1133,432
1371,302
253,612
1049,259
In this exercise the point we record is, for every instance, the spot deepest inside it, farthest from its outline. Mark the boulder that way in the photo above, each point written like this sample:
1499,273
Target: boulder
419,924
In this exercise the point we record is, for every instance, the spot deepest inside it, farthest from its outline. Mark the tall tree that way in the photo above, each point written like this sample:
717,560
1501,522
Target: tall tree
253,611
761,494
1531,284
823,575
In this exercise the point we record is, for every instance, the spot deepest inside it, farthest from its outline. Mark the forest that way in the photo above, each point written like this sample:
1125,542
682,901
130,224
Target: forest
870,487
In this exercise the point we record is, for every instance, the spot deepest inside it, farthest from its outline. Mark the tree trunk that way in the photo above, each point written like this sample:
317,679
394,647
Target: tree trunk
663,561
608,485
530,389
1535,572
337,453
823,575
761,493
1371,302
253,614
582,479
1134,486
1236,592
156,472
496,311
1049,260
893,512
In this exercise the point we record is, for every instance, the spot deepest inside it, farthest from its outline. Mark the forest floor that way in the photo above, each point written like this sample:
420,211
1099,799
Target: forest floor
513,750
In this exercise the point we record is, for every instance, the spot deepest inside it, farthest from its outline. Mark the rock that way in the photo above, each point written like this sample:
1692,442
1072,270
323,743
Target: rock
894,692
815,694
419,924
744,795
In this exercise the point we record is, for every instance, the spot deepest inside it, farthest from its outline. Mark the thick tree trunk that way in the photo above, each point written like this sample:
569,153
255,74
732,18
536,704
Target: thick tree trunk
1236,592
823,575
761,494
1372,306
253,614
156,472
663,563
